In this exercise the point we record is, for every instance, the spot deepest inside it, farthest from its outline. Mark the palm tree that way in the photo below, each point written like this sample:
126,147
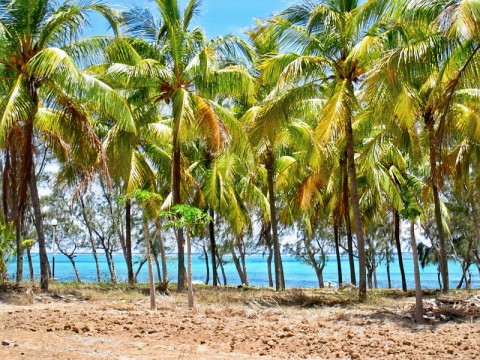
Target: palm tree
331,38
171,63
423,50
37,70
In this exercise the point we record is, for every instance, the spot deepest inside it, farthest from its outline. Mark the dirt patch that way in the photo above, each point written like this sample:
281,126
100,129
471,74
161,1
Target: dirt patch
73,327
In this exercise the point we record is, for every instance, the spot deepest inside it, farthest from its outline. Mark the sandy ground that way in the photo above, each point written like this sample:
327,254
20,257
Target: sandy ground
68,328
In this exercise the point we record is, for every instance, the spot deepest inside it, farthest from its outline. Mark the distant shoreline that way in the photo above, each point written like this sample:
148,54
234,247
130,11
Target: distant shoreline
297,273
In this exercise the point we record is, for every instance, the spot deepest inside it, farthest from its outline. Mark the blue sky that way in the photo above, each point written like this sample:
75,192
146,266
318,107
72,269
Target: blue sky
218,17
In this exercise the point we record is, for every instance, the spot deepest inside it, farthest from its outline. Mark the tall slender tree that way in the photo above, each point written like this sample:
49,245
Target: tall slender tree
329,37
37,69
182,69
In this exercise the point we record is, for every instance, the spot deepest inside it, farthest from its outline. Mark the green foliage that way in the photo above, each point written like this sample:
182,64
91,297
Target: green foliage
185,216
7,248
140,196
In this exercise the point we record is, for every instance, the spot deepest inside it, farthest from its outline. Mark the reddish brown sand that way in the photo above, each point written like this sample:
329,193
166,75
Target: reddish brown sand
108,329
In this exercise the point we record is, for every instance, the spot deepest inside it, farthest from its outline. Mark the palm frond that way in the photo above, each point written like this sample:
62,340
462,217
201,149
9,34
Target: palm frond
16,106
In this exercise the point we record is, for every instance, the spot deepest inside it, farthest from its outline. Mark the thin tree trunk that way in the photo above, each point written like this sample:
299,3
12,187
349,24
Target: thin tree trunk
92,241
434,178
268,241
236,262
177,200
241,249
370,277
337,252
151,278
72,261
113,272
238,266
27,167
110,261
277,257
18,237
30,264
118,229
110,268
466,264
319,273
213,246
352,175
313,262
460,283
416,272
128,241
37,212
207,266
475,219
97,264
162,252
348,224
157,267
140,266
211,226
220,263
396,222
387,260
269,266
189,274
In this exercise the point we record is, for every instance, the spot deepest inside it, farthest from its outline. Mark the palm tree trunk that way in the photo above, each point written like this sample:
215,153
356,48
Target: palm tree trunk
387,260
207,266
211,226
268,242
348,224
434,177
176,181
416,272
337,252
269,266
352,174
18,237
475,219
277,258
162,252
37,212
128,241
213,246
151,279
396,222
12,207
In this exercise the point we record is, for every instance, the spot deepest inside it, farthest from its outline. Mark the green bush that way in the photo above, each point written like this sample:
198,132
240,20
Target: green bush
7,249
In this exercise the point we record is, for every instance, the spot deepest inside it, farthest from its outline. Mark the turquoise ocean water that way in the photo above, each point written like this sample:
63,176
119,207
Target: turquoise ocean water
297,274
